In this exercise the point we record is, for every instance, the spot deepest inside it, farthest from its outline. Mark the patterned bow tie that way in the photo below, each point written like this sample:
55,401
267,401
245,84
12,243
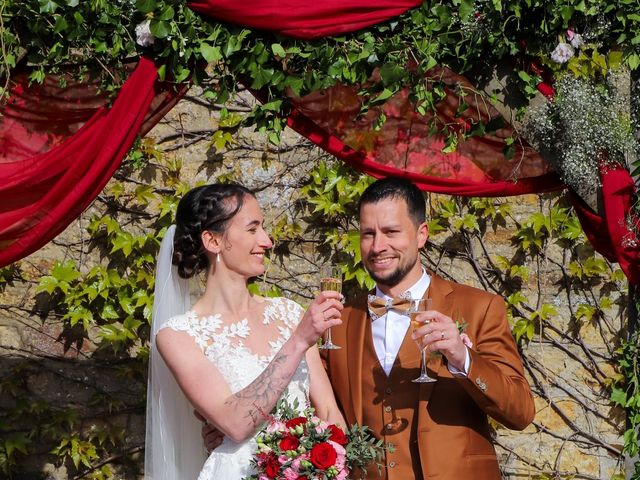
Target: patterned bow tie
379,307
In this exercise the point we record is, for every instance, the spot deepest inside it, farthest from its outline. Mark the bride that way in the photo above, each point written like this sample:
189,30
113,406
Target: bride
233,354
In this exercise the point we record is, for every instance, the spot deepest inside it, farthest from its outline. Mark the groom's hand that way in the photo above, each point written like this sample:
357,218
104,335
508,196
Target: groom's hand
211,436
441,333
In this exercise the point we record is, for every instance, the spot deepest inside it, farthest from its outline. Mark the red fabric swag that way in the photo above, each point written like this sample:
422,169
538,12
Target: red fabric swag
612,235
58,148
406,146
305,20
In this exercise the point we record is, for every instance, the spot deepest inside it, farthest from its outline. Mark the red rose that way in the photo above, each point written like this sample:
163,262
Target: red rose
271,466
289,443
323,455
294,422
337,435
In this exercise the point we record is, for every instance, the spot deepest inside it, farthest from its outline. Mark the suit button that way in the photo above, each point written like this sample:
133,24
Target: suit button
388,391
388,426
392,464
387,408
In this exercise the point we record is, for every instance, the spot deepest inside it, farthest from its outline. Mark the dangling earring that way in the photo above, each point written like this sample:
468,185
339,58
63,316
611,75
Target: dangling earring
217,257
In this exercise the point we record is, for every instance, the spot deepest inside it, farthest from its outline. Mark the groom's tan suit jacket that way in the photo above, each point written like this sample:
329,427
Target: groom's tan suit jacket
434,430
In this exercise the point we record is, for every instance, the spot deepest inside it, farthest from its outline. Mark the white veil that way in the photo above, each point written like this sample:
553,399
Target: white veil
174,447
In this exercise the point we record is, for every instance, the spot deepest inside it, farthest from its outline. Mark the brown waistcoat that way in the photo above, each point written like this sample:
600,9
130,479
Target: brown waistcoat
392,407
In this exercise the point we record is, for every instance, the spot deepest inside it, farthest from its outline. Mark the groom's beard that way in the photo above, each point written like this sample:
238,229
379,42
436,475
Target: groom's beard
396,276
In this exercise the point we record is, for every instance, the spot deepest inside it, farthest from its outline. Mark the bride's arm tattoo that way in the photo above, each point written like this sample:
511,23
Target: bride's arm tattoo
259,397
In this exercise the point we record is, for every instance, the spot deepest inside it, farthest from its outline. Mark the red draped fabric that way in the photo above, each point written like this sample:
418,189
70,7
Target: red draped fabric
406,146
613,234
306,20
60,143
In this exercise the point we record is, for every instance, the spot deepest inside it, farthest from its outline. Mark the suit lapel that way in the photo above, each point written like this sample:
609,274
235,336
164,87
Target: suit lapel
356,330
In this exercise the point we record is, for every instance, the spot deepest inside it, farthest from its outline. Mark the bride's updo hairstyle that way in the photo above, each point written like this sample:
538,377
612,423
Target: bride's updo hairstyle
206,208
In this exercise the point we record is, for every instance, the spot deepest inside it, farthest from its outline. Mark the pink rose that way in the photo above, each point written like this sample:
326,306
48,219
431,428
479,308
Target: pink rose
290,474
282,459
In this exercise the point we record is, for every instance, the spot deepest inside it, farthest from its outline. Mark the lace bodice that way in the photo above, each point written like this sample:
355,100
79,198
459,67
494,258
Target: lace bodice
227,347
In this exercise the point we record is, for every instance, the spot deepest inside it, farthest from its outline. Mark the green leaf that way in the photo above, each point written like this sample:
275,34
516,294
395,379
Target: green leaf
466,9
109,312
262,77
61,24
47,6
274,106
391,73
146,6
210,53
619,397
278,51
384,95
47,284
633,61
167,13
159,28
65,272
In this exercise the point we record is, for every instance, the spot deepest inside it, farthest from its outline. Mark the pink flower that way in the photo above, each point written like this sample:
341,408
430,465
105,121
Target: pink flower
341,454
275,426
263,477
575,39
296,462
321,427
282,459
342,474
290,474
466,340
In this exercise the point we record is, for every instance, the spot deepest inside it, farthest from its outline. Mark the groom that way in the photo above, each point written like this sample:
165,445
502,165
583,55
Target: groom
432,429
436,429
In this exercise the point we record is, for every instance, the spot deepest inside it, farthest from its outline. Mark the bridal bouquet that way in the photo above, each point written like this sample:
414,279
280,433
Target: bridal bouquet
300,446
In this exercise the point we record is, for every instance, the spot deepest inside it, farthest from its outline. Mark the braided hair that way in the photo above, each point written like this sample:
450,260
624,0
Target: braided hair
206,208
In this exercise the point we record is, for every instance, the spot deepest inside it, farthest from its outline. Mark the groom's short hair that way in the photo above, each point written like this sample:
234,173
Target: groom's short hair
396,188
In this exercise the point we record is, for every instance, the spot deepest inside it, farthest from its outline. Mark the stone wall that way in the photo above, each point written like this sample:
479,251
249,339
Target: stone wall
576,433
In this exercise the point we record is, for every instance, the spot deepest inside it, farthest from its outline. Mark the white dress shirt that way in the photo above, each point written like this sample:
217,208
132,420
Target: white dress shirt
390,329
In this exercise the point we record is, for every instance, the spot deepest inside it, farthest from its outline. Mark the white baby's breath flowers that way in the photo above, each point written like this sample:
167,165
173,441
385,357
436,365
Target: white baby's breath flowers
562,53
144,37
584,124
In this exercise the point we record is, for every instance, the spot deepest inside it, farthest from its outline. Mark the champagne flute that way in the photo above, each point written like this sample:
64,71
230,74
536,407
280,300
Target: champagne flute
419,306
330,279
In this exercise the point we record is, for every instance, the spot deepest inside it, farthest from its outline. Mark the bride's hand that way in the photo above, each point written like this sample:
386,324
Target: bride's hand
324,312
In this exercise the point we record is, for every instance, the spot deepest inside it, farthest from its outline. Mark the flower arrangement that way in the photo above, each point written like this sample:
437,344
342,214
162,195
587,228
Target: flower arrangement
300,446
585,120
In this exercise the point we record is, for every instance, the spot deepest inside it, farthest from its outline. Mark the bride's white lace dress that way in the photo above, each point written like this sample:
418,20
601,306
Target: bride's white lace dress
228,347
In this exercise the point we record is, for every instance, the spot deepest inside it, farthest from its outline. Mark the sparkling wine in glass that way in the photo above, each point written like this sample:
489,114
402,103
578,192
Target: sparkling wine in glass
330,279
419,306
